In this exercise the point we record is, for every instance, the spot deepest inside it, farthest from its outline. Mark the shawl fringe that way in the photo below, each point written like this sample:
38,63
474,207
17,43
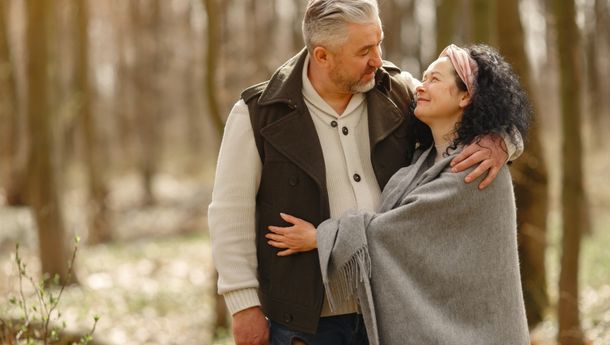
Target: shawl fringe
343,284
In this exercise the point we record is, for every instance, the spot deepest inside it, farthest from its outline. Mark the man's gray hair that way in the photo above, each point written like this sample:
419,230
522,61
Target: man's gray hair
325,21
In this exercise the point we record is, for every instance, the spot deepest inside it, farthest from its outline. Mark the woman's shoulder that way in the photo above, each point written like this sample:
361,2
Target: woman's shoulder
502,183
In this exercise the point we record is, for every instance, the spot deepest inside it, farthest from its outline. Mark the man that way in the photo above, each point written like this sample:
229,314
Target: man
322,136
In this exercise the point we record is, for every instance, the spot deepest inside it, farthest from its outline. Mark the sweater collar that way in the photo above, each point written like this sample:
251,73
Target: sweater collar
313,97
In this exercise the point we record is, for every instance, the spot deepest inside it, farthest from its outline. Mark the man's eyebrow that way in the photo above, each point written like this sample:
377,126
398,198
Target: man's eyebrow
369,46
372,45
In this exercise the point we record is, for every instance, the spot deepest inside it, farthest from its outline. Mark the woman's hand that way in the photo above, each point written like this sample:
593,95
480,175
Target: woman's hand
489,152
300,237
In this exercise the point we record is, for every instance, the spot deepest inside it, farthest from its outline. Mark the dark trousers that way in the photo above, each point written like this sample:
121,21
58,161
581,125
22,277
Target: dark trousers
333,330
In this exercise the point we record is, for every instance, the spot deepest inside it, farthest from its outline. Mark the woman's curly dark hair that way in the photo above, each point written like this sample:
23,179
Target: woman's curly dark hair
498,105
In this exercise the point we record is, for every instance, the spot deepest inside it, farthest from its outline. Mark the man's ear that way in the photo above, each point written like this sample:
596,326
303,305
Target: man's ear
465,100
321,55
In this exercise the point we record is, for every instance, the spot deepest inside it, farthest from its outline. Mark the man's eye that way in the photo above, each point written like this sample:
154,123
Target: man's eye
365,52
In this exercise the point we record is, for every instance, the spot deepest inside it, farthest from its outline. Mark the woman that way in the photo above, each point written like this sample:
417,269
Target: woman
437,264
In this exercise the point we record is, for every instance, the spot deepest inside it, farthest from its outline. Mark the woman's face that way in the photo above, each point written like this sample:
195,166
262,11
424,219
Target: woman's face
438,98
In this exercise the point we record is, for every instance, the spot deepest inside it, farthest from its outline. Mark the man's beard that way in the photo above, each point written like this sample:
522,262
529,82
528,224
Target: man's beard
363,86
358,86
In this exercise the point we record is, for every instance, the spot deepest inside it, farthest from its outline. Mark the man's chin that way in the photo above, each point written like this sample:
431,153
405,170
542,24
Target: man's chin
364,86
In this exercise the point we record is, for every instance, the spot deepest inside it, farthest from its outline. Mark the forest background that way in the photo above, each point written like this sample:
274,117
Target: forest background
111,115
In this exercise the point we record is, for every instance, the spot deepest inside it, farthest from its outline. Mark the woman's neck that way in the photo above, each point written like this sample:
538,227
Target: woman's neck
443,135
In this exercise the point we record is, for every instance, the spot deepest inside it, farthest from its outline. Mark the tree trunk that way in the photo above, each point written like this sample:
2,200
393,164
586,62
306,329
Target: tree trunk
297,31
97,210
14,138
572,192
391,16
529,175
148,106
125,95
483,29
445,19
194,124
596,91
221,321
255,17
213,25
211,64
43,190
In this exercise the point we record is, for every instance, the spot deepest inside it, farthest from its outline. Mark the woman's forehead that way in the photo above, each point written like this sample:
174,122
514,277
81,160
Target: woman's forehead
442,65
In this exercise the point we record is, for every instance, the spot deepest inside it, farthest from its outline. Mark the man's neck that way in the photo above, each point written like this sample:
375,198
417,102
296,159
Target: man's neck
338,100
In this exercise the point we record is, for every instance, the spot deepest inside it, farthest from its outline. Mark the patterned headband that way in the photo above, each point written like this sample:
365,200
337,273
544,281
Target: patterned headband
464,65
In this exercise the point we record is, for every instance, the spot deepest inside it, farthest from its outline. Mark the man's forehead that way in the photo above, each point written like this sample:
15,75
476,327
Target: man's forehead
363,32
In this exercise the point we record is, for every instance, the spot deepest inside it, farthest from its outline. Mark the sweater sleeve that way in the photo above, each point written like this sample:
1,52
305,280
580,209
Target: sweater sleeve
514,143
231,213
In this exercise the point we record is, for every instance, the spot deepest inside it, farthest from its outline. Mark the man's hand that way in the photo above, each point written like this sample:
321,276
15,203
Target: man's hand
250,327
300,237
490,151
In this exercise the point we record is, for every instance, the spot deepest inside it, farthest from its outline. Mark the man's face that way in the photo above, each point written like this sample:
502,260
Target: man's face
354,63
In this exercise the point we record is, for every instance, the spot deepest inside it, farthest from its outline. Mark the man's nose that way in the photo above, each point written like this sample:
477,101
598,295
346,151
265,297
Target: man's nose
376,59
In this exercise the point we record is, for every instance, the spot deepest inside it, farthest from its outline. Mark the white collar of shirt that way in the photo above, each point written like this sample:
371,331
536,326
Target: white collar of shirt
314,99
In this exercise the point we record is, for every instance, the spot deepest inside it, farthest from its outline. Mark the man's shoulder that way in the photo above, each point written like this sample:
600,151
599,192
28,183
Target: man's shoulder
254,91
390,67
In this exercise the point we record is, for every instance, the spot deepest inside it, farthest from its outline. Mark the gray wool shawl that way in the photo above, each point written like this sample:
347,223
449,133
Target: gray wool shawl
437,264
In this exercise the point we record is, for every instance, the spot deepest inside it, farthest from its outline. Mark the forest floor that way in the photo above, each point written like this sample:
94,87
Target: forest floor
154,284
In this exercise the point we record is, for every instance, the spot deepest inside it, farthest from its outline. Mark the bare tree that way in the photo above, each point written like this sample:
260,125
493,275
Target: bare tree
43,195
221,320
193,89
211,64
14,137
572,191
529,174
124,95
147,22
483,12
297,33
97,210
445,22
391,16
596,42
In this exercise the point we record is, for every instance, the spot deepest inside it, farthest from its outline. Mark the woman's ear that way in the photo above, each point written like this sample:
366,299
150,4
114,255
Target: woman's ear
465,100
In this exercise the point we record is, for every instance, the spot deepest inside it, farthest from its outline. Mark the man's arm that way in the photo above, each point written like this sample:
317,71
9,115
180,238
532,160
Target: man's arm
231,222
491,152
